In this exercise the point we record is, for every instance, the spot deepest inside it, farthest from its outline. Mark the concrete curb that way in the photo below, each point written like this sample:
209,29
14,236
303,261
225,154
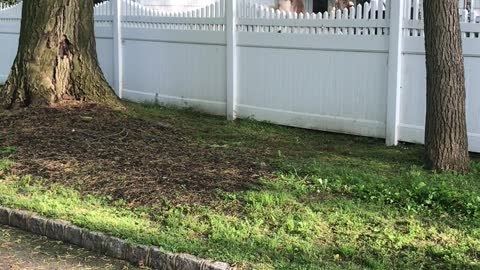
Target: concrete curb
101,243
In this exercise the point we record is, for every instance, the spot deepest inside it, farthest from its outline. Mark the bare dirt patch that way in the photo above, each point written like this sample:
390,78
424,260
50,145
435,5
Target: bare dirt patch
107,152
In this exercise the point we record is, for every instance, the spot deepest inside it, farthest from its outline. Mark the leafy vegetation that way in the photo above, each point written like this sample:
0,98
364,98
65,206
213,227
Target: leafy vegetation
334,202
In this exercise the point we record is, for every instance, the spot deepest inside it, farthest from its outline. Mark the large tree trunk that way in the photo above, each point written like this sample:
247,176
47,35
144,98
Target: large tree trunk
446,141
56,59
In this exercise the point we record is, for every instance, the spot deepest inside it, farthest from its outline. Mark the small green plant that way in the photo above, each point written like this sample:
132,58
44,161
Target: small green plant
5,151
5,164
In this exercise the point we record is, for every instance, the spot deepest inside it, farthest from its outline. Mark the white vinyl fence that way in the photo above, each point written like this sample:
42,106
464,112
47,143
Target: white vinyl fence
359,71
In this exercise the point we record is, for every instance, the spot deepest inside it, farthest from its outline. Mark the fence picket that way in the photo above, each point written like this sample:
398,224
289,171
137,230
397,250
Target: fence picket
373,12
345,17
472,11
308,30
465,20
351,16
373,9
358,16
338,17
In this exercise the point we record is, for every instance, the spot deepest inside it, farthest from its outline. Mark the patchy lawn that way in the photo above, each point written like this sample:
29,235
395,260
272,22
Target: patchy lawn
249,193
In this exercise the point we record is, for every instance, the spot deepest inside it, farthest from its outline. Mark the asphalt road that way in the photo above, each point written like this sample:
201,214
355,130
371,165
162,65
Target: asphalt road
21,250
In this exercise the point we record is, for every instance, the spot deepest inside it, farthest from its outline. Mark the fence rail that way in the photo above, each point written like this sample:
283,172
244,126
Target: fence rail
358,71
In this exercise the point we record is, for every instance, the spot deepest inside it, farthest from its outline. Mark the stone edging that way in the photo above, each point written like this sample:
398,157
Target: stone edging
101,243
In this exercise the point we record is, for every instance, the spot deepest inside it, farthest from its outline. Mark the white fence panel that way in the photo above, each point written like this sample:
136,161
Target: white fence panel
413,98
318,71
325,90
176,58
104,38
9,47
10,17
175,73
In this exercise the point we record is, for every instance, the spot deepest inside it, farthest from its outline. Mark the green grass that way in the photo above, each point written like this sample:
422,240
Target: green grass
337,202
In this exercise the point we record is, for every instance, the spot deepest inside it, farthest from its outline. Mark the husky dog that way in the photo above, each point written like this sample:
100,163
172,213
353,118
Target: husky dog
290,6
293,6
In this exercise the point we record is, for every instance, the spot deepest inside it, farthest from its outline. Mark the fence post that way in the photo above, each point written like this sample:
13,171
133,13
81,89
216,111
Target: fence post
231,61
117,47
394,71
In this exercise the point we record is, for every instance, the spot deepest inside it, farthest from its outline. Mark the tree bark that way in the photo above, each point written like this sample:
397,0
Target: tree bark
446,141
56,58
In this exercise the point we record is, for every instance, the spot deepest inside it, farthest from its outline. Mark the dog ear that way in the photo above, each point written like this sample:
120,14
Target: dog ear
298,6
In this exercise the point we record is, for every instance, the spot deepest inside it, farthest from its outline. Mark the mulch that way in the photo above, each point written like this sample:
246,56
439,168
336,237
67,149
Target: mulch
103,151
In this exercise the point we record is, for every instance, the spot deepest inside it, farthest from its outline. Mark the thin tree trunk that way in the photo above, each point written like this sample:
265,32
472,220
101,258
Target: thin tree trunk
56,58
446,140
